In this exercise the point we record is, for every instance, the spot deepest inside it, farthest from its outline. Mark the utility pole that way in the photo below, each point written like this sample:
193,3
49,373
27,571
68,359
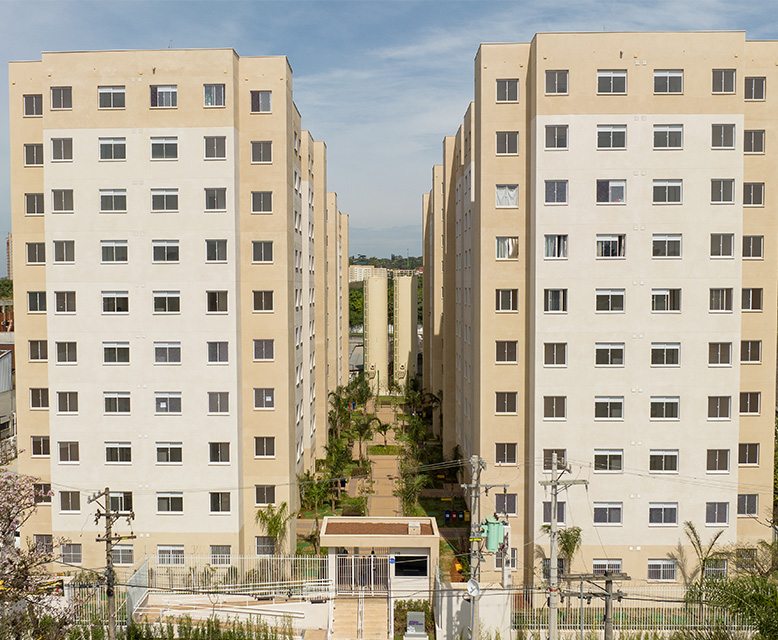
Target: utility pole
476,464
608,606
553,578
110,540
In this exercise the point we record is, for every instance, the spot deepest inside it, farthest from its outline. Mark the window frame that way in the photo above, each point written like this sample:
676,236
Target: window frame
507,143
610,187
664,509
669,405
553,348
114,145
665,348
713,515
611,75
718,191
555,192
212,148
34,204
716,353
557,243
510,86
169,502
264,450
111,91
506,402
35,105
754,141
719,408
264,398
163,96
672,297
555,301
753,194
118,348
63,100
257,152
722,77
167,198
746,349
117,403
610,300
665,456
720,133
505,454
167,353
218,99
611,461
168,403
751,254
718,246
668,75
172,302
115,302
261,101
613,513
666,189
558,135
610,350
555,408
606,132
555,84
752,93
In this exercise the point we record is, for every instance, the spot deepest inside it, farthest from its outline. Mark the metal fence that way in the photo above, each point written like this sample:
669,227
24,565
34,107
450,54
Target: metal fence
90,602
137,588
363,574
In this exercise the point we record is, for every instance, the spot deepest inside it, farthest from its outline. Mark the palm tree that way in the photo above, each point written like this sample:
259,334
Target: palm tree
409,489
313,495
695,579
274,520
383,429
363,430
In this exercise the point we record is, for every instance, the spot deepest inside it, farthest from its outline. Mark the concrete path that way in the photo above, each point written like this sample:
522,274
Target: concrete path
385,474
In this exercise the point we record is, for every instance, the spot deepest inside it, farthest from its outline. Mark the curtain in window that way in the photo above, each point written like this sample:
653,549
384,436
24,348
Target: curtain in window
507,248
507,195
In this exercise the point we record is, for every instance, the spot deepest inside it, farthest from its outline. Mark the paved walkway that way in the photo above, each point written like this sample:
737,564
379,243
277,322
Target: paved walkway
385,473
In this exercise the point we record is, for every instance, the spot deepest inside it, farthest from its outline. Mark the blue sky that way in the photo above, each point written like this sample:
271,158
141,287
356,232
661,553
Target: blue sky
381,82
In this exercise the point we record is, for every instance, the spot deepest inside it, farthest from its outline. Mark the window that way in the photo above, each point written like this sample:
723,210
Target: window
121,501
748,504
609,300
505,453
70,553
555,354
506,350
545,566
218,402
263,350
608,459
747,453
556,82
33,204
662,513
753,194
264,398
171,502
507,143
606,565
507,300
508,90
506,195
751,299
665,408
118,452
720,300
164,96
749,402
167,402
69,501
560,512
667,191
511,562
608,408
717,460
110,97
745,559
665,300
265,545
261,202
753,141
113,148
165,250
68,451
505,503
505,401
170,554
719,407
62,200
665,354
264,447
167,302
262,251
611,136
723,81
220,501
611,246
113,250
216,199
716,513
167,353
61,97
555,246
555,300
116,352
609,354
755,88
116,301
668,136
715,567
722,191
123,554
39,350
264,494
556,136
507,248
668,80
663,461
36,301
661,570
555,407
62,149
261,101
65,301
214,95
64,251
607,512
117,402
164,148
36,253
220,555
41,447
219,452
612,81
722,245
261,152
720,354
548,458
33,155
666,245
39,398
611,191
216,302
750,351
33,104
218,352
66,352
215,148
556,191
164,200
169,452
722,136
753,247
44,542
263,300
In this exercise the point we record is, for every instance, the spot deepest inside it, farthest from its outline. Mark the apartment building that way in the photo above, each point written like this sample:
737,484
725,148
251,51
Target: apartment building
180,268
605,226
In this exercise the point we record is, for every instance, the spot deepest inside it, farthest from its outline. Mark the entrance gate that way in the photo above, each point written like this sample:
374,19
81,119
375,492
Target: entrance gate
367,575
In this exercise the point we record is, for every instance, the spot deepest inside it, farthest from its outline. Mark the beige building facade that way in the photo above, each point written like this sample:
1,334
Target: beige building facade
180,267
606,230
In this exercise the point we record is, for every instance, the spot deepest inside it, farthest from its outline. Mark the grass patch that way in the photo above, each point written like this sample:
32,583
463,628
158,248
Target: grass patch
384,450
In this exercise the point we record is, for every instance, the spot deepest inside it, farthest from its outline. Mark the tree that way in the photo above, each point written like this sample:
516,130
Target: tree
6,288
363,430
313,494
274,521
754,598
383,428
356,304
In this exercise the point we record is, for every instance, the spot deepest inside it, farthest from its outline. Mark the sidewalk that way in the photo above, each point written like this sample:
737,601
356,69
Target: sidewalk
385,473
